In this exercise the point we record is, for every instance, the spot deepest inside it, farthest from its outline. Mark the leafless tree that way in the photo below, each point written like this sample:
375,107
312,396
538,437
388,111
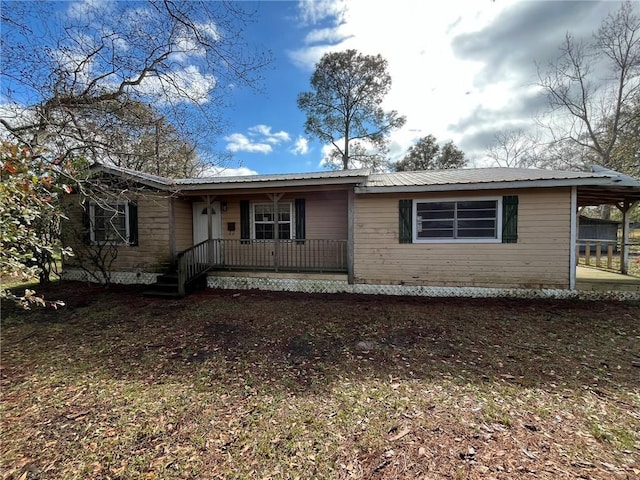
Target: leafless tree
515,149
591,83
105,80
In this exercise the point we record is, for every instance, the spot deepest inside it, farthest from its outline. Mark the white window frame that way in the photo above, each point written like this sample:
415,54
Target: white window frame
290,222
496,239
109,206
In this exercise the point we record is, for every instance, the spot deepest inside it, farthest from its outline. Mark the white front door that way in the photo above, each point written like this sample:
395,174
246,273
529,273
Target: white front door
201,221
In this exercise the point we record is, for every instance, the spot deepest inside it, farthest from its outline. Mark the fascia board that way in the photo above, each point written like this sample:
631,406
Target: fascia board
605,181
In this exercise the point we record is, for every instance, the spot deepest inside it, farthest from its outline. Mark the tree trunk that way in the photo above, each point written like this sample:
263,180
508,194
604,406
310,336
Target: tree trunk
345,155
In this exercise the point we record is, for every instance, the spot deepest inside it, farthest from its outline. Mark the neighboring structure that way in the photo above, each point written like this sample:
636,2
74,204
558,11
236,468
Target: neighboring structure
497,228
597,231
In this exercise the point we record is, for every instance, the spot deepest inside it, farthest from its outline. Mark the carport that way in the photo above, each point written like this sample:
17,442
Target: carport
617,190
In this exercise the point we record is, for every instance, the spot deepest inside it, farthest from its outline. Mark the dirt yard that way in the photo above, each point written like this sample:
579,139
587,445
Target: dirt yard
245,385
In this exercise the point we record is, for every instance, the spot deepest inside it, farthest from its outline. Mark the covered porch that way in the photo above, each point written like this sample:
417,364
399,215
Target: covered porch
601,263
286,225
594,279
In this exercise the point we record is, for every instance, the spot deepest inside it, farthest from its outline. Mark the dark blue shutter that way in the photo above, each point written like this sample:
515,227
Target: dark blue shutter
510,219
245,220
405,233
86,225
301,219
133,224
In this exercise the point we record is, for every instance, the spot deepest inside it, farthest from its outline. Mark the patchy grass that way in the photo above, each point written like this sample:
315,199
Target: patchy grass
250,385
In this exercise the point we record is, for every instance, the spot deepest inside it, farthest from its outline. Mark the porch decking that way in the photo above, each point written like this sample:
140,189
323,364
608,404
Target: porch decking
589,278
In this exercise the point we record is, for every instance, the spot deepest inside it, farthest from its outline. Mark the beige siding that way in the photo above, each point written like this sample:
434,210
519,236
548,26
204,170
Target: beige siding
183,223
539,259
326,213
151,253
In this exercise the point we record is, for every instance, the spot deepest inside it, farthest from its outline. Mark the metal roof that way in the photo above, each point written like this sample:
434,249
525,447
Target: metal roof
274,177
595,187
127,173
246,181
478,176
274,180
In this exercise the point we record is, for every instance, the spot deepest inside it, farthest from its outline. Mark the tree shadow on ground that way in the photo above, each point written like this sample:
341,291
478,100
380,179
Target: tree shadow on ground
302,343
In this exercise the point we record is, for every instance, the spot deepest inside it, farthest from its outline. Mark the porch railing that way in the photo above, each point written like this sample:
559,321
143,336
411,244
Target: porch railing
595,250
607,254
194,262
309,255
284,255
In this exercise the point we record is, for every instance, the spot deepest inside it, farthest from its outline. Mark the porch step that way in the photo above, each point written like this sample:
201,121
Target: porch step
166,286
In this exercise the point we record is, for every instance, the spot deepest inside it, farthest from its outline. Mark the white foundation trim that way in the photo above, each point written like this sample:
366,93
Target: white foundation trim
338,286
283,284
122,278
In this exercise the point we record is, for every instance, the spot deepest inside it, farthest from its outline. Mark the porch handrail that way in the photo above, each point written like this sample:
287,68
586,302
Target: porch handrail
298,255
193,262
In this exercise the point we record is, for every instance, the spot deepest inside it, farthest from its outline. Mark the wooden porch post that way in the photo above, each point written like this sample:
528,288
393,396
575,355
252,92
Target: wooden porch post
574,250
172,229
209,218
625,208
350,231
210,250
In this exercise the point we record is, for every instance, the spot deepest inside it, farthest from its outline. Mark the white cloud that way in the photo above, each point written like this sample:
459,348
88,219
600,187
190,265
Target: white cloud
237,142
189,46
264,131
209,31
259,139
74,59
314,11
300,147
434,86
87,8
16,116
186,84
329,35
227,172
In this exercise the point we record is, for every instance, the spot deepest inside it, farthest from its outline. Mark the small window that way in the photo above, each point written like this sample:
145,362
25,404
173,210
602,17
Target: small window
264,221
457,220
109,223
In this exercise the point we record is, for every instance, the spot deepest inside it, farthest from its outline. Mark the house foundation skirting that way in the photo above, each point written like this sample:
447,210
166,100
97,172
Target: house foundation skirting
122,278
324,285
342,286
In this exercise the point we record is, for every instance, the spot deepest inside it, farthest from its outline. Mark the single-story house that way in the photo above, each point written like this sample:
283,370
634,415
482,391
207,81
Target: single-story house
496,228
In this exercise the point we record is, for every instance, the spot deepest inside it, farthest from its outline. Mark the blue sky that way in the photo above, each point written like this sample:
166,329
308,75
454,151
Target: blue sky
462,70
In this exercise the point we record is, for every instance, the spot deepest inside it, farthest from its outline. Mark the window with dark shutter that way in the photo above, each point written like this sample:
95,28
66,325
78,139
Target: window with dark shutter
510,219
86,227
405,234
133,224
